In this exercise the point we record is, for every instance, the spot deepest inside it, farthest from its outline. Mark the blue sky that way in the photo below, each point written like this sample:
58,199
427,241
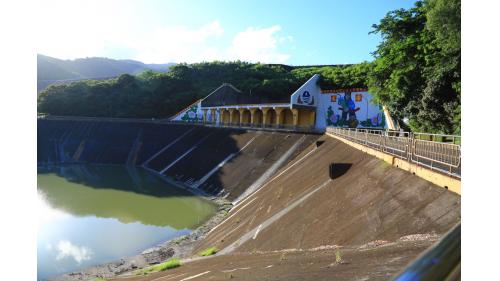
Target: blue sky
290,32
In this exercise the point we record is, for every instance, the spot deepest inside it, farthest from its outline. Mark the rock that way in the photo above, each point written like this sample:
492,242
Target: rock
157,255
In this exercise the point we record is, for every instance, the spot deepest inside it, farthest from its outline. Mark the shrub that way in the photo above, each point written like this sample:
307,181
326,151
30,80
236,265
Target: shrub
171,263
209,251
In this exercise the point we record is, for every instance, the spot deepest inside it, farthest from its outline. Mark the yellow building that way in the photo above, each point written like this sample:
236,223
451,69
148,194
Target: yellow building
228,106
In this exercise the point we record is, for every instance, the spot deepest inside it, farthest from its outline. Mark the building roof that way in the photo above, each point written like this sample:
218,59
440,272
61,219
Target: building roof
227,94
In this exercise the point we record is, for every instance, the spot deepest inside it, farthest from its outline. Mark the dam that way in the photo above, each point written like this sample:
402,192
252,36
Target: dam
288,207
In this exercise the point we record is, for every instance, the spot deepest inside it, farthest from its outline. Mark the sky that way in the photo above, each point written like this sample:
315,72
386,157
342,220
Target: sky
291,32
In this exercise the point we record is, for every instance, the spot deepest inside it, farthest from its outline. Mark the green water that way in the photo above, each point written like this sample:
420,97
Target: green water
92,214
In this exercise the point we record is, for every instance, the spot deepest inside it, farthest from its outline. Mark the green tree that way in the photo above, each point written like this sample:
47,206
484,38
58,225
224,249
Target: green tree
416,72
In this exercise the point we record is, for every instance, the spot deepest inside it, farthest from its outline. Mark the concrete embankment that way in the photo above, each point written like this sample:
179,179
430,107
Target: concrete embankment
292,223
378,217
218,161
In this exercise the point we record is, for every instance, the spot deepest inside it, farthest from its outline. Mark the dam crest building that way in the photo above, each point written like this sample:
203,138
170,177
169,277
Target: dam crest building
308,108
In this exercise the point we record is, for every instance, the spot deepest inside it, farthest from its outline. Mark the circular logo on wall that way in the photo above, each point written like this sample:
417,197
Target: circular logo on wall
306,97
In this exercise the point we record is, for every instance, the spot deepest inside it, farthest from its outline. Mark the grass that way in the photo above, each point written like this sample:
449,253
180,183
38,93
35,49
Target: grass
100,279
209,251
338,257
171,263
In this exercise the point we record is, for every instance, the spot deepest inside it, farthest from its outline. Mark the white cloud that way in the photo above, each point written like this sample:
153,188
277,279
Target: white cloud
179,44
66,249
46,213
259,45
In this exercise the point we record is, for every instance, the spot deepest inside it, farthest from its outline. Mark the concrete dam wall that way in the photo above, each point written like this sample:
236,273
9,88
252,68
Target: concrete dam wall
299,199
219,161
358,219
368,200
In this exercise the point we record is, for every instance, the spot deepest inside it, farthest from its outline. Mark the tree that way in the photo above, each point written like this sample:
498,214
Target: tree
416,72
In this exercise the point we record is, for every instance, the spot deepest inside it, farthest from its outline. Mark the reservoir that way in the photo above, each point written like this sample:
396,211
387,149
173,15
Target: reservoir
93,214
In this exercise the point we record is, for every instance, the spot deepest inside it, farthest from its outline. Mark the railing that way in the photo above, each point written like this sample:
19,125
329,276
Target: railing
437,152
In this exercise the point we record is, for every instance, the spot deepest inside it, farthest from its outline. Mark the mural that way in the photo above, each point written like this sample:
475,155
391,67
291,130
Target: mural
350,108
192,114
209,116
217,116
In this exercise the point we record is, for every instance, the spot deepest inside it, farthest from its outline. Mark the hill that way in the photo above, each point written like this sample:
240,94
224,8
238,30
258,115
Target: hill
52,70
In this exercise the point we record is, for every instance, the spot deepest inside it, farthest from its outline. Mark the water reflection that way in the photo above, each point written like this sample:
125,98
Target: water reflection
95,214
115,192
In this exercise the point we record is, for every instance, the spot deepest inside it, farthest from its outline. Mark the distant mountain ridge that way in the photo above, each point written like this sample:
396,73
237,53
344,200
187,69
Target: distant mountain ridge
52,70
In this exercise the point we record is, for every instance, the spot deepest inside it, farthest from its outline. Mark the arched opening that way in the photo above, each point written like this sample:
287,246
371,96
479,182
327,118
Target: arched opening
287,117
270,118
235,117
257,118
224,117
305,117
245,118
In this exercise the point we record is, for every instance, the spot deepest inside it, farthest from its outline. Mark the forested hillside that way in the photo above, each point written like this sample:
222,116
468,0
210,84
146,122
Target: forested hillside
415,73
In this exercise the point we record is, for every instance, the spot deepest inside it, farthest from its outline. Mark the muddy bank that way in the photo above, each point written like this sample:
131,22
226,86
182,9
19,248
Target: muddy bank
179,247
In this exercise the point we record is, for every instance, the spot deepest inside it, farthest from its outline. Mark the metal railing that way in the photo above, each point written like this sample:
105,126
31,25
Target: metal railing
437,152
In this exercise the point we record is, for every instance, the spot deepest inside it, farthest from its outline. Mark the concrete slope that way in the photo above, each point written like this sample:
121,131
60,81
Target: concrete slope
257,158
366,262
367,223
217,146
179,148
302,208
216,160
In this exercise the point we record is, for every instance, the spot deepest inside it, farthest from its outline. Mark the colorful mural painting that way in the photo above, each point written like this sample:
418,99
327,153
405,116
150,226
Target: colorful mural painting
191,114
349,108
